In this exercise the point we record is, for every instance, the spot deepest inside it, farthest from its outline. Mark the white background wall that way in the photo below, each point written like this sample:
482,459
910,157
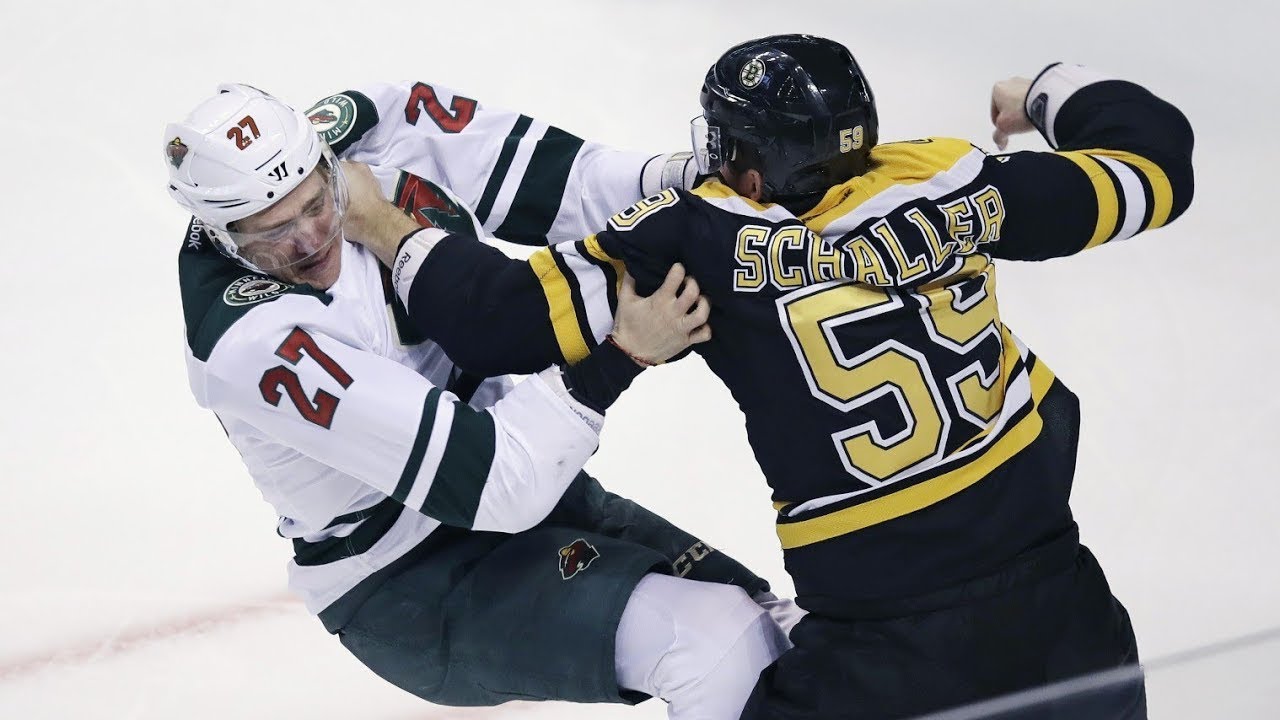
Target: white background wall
124,510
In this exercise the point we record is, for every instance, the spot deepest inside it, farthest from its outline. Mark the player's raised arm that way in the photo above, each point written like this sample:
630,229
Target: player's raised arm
275,368
524,180
1122,164
494,314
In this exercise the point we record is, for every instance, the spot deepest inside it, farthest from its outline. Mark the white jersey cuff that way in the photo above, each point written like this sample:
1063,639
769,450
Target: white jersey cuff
1051,90
554,380
410,257
677,170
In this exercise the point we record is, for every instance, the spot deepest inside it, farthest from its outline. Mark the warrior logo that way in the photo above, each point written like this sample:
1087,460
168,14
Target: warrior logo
575,557
751,74
176,150
253,288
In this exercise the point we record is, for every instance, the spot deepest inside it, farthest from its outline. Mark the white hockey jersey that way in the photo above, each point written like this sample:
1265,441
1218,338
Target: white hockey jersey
352,428
519,179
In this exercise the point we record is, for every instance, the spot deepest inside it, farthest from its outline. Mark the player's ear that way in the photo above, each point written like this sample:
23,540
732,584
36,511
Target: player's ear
749,184
755,185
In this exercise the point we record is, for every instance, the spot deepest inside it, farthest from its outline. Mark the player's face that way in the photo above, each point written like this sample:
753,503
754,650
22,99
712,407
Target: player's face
298,238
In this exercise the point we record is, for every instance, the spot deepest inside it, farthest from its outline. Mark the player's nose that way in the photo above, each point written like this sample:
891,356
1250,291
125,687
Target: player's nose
310,236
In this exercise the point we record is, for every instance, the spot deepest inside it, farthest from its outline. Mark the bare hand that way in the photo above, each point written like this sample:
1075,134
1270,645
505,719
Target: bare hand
1009,109
364,196
661,326
371,219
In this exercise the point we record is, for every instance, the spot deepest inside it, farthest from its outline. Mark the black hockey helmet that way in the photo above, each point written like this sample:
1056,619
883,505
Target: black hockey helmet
801,106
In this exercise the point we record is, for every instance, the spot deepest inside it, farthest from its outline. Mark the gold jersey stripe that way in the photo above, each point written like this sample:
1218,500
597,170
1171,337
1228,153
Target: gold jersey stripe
924,494
564,318
592,244
1105,189
1161,188
900,163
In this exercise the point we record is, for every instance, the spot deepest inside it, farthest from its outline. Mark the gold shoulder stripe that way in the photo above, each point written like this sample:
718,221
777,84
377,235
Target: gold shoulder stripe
1161,188
716,190
592,244
918,161
1105,190
899,163
933,490
564,318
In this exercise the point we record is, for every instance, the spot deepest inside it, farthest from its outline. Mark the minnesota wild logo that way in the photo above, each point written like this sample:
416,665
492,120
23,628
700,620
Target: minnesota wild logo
576,557
253,288
176,150
431,206
333,117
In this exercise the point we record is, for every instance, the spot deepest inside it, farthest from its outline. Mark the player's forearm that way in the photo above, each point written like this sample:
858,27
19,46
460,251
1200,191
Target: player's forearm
485,309
1076,108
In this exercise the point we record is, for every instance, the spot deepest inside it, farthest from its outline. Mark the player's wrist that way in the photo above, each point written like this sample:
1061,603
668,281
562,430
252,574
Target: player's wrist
410,251
598,379
1051,89
621,346
674,170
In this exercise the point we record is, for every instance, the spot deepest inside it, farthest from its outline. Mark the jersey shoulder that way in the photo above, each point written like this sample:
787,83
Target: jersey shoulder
916,161
902,173
344,118
716,194
678,223
217,292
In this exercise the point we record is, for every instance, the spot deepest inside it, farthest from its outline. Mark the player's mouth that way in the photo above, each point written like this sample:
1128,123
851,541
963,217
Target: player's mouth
318,261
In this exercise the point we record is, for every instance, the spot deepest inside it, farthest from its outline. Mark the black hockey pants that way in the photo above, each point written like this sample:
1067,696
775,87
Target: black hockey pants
1049,616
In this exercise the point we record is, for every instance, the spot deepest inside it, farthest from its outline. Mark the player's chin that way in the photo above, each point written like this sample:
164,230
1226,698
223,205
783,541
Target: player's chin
319,271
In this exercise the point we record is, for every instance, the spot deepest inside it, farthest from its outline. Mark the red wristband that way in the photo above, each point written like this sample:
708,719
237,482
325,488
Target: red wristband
638,360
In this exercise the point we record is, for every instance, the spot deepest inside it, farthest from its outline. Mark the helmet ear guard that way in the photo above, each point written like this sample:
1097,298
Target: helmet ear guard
800,102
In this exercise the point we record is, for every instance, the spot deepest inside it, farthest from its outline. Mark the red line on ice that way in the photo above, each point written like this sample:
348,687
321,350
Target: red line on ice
139,637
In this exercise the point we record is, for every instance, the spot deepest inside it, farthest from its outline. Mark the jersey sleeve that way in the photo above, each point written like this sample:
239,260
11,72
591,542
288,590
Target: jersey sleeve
1121,165
494,314
526,181
499,469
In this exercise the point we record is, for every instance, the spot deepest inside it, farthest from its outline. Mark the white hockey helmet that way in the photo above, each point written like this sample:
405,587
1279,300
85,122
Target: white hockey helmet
239,152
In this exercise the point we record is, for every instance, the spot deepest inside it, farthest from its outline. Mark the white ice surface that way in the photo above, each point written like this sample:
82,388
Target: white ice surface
124,507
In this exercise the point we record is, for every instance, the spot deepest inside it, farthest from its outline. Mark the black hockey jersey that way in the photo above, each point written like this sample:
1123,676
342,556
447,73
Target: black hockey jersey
910,439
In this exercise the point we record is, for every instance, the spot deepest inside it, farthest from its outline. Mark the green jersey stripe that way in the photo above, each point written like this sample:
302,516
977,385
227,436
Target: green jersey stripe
354,517
500,168
537,201
377,522
454,497
414,463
